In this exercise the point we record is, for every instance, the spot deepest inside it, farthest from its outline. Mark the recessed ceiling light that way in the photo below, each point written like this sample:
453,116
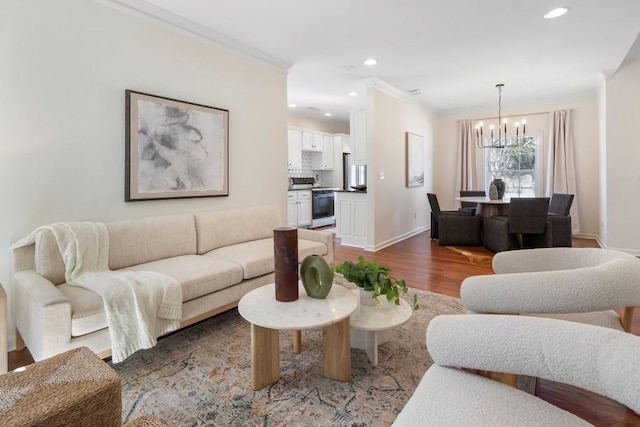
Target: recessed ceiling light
556,12
327,114
353,94
292,105
370,61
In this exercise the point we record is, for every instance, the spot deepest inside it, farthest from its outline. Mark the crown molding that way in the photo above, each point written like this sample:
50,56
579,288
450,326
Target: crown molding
381,85
174,22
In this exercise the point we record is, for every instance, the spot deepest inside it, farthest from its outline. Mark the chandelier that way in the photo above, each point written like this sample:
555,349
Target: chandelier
501,140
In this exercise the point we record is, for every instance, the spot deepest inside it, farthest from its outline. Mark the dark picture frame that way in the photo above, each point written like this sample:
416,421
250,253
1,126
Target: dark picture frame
174,149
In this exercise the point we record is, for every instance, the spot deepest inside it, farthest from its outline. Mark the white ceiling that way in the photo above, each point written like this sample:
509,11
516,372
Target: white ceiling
453,52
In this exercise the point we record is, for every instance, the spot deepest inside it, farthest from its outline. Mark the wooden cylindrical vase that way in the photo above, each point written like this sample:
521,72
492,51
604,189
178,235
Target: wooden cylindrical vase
285,248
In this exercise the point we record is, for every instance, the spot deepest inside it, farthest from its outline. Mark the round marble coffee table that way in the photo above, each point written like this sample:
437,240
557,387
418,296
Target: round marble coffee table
371,324
269,316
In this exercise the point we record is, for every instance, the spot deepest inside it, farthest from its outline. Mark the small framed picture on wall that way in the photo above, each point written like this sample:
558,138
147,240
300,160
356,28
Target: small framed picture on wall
415,160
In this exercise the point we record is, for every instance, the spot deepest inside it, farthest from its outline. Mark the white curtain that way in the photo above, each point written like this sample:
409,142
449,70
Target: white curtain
466,170
561,170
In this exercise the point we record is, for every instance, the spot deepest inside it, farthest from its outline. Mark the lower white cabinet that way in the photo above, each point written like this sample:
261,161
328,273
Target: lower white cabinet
351,218
299,208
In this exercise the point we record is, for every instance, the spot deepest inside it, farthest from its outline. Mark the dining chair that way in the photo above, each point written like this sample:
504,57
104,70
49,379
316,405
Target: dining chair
526,226
470,206
436,212
560,220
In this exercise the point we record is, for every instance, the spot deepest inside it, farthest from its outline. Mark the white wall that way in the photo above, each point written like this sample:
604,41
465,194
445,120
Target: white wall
317,125
623,158
585,131
396,211
66,65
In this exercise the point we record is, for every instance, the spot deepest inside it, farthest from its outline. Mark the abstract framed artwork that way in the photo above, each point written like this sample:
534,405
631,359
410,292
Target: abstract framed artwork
415,160
174,149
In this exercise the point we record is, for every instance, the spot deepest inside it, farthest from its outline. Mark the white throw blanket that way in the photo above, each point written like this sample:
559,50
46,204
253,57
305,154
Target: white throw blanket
140,305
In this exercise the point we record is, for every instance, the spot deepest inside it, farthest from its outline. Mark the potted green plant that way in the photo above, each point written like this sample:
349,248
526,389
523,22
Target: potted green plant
372,277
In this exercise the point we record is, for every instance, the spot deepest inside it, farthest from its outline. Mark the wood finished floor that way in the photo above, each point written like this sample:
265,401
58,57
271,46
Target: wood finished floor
426,265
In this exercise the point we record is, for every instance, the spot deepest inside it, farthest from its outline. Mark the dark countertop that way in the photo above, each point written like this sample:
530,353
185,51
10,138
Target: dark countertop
352,191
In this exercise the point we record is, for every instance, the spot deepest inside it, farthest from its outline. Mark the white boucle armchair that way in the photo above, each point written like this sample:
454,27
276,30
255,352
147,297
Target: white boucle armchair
585,285
594,358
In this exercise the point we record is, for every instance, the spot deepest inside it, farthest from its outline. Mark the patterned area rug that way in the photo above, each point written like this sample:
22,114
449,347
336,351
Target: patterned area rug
201,376
478,256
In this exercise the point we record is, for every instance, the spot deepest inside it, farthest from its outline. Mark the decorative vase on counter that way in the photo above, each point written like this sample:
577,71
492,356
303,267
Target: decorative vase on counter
493,191
500,187
285,248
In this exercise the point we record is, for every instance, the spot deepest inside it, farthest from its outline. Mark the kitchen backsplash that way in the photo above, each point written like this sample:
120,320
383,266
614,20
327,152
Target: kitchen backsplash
306,171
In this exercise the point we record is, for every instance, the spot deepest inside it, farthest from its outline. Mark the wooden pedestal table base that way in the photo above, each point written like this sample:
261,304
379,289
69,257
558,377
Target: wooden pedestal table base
268,317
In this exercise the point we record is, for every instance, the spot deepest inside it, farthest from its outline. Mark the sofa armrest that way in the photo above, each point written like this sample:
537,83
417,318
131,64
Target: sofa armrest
319,236
608,286
591,357
42,314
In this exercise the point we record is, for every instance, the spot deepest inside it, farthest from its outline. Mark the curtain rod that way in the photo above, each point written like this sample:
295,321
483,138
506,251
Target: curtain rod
514,115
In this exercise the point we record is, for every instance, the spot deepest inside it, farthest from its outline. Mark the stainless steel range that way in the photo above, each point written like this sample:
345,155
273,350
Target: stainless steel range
322,201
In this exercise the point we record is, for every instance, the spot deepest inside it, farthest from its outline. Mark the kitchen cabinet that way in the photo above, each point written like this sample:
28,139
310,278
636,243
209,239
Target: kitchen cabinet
324,160
351,218
299,208
312,141
358,128
295,149
342,144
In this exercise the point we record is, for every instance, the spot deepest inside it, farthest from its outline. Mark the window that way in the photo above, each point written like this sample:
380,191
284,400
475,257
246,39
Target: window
516,165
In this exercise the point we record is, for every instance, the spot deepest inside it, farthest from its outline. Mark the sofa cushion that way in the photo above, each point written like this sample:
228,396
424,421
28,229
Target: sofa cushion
49,263
257,257
226,228
198,275
137,241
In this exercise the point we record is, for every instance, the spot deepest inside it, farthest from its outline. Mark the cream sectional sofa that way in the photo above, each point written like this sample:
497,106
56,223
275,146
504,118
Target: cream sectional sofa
216,256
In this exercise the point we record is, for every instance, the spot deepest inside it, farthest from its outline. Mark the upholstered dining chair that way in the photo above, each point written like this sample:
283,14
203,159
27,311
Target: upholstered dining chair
436,212
526,226
560,220
469,206
451,393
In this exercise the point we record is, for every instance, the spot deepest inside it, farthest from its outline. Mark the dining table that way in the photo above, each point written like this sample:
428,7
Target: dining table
486,206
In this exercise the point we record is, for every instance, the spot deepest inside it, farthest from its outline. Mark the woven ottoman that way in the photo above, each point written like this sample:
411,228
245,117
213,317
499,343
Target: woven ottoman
75,388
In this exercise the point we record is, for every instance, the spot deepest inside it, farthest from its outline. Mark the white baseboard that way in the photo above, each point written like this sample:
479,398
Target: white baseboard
396,239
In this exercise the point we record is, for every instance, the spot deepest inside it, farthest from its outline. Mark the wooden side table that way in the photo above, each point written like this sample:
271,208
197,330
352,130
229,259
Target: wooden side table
268,317
3,331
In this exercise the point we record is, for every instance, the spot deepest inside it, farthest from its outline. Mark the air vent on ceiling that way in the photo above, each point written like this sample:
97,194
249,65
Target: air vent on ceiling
415,92
313,108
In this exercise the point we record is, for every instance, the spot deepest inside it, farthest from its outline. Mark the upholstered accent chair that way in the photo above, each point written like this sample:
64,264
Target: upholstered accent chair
452,393
526,226
468,206
436,213
560,220
586,285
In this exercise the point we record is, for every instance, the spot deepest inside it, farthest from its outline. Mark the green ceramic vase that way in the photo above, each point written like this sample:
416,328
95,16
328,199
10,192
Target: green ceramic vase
317,276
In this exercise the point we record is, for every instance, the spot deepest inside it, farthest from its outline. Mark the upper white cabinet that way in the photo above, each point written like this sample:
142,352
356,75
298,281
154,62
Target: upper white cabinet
324,160
295,149
358,127
311,141
342,143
